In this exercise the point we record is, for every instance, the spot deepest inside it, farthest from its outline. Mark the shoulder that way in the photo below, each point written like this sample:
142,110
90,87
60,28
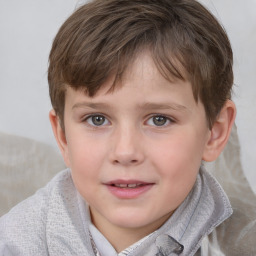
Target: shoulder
22,229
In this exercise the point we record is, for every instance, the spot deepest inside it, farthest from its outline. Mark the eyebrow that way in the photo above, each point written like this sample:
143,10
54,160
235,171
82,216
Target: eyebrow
143,106
163,106
90,105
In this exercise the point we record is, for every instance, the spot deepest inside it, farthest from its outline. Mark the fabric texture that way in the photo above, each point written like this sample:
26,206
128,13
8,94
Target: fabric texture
237,236
51,222
25,166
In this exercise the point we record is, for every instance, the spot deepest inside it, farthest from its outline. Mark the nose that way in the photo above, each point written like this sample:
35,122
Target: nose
127,147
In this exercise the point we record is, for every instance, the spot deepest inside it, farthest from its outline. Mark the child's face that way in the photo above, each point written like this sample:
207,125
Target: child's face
148,133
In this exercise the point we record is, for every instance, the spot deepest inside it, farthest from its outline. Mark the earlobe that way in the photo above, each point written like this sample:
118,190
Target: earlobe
220,132
59,135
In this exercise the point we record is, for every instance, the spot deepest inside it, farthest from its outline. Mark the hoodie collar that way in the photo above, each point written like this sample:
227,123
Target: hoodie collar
205,208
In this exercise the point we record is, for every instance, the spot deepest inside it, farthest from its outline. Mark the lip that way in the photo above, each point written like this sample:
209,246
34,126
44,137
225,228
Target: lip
136,189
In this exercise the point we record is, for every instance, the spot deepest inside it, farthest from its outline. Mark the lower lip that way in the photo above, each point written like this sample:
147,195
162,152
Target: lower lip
129,193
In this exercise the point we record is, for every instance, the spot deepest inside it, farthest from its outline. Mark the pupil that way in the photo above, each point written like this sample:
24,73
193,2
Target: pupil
98,120
159,120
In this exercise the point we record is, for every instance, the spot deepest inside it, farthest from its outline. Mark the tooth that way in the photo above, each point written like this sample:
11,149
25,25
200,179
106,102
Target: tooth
132,185
122,185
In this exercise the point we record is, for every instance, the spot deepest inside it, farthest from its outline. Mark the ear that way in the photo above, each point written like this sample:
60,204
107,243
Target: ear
220,132
59,136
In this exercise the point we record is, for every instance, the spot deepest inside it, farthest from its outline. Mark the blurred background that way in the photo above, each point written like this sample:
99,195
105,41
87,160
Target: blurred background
27,29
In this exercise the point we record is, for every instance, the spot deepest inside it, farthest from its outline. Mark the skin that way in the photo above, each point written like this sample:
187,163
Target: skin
148,129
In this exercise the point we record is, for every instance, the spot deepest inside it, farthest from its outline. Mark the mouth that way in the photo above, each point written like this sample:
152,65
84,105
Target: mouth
124,185
128,189
128,183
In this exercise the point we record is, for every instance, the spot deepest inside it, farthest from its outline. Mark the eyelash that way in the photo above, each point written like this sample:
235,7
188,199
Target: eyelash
167,120
87,118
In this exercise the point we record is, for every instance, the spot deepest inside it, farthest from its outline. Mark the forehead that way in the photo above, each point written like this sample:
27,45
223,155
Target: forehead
144,73
141,84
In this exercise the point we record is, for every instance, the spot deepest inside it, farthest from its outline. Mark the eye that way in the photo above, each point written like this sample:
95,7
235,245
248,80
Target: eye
159,120
97,120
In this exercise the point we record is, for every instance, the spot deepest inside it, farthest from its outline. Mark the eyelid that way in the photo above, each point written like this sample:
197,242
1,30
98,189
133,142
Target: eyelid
168,118
85,119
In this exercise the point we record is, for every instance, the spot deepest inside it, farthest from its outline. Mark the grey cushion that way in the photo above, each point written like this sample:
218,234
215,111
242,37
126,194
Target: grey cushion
25,166
237,235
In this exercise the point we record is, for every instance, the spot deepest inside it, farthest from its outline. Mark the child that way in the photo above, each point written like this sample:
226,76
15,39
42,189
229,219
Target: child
141,92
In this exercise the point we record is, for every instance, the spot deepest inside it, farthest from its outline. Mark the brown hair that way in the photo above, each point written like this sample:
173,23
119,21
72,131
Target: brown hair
103,37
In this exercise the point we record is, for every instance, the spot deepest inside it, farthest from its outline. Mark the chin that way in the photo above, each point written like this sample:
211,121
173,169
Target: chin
136,220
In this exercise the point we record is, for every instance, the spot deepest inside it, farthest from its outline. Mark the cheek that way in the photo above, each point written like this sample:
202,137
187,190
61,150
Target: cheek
177,161
177,175
86,160
177,151
86,157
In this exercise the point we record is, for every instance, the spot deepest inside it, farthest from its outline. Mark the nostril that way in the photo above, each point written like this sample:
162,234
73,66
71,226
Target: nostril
134,161
126,158
125,161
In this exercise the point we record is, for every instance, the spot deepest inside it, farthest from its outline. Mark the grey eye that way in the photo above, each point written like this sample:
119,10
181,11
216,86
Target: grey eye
97,120
159,120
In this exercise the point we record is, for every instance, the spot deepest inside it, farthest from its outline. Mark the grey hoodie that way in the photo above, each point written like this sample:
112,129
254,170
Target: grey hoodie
51,222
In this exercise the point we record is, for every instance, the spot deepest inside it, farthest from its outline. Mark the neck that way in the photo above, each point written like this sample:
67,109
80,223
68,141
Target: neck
123,237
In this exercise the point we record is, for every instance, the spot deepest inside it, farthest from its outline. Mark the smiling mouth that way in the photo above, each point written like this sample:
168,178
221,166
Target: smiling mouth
128,189
121,185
